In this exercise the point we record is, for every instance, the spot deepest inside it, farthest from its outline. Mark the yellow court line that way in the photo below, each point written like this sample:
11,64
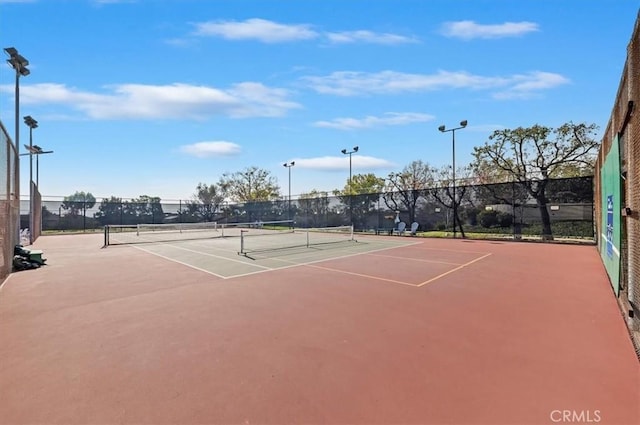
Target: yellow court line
292,264
360,275
415,259
453,270
448,250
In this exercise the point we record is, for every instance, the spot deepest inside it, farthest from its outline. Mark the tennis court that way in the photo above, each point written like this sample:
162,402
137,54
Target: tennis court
243,249
371,329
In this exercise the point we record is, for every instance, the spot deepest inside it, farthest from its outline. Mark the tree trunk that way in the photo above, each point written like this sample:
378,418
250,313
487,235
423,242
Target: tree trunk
459,223
547,234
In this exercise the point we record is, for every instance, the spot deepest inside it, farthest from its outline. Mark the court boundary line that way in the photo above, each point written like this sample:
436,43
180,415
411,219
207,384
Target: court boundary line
217,256
416,285
452,250
179,262
362,275
293,264
415,259
454,270
264,268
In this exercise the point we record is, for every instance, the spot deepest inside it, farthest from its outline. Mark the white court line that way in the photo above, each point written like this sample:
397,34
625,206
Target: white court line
218,256
338,257
292,264
179,262
201,253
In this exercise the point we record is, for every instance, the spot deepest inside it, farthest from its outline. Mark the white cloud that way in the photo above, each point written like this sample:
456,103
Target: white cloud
468,30
267,31
259,100
175,101
209,149
363,36
350,83
255,29
353,83
336,163
388,119
527,86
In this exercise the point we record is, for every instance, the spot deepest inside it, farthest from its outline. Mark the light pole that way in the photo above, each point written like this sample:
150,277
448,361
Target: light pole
345,152
19,63
37,152
442,128
289,165
31,123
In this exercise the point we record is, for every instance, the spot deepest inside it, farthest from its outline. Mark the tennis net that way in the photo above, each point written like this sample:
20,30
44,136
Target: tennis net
170,232
252,242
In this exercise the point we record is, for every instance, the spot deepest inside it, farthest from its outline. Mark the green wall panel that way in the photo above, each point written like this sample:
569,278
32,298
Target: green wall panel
611,217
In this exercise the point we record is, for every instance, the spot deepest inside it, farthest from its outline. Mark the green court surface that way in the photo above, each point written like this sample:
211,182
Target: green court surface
222,257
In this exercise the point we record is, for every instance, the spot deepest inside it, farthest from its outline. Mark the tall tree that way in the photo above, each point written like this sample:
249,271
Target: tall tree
79,201
360,195
363,184
207,201
110,211
403,190
442,191
145,209
313,208
253,184
533,155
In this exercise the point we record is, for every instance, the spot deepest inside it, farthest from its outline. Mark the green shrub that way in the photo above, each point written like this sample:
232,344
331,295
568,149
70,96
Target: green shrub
488,218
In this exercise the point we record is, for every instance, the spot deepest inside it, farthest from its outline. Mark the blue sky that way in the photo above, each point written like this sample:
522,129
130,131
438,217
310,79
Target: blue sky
152,97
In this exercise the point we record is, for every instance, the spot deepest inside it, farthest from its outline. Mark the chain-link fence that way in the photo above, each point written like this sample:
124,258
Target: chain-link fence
560,208
9,202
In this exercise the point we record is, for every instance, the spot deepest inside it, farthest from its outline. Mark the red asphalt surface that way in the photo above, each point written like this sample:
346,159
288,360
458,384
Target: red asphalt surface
434,333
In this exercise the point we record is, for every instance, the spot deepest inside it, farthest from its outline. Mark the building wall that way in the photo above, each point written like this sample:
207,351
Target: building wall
632,151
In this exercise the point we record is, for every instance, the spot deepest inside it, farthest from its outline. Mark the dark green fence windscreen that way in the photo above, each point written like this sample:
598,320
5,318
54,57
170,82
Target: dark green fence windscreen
506,210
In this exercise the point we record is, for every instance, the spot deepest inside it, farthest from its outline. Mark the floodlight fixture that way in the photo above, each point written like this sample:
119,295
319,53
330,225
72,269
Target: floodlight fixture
443,129
345,152
31,123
